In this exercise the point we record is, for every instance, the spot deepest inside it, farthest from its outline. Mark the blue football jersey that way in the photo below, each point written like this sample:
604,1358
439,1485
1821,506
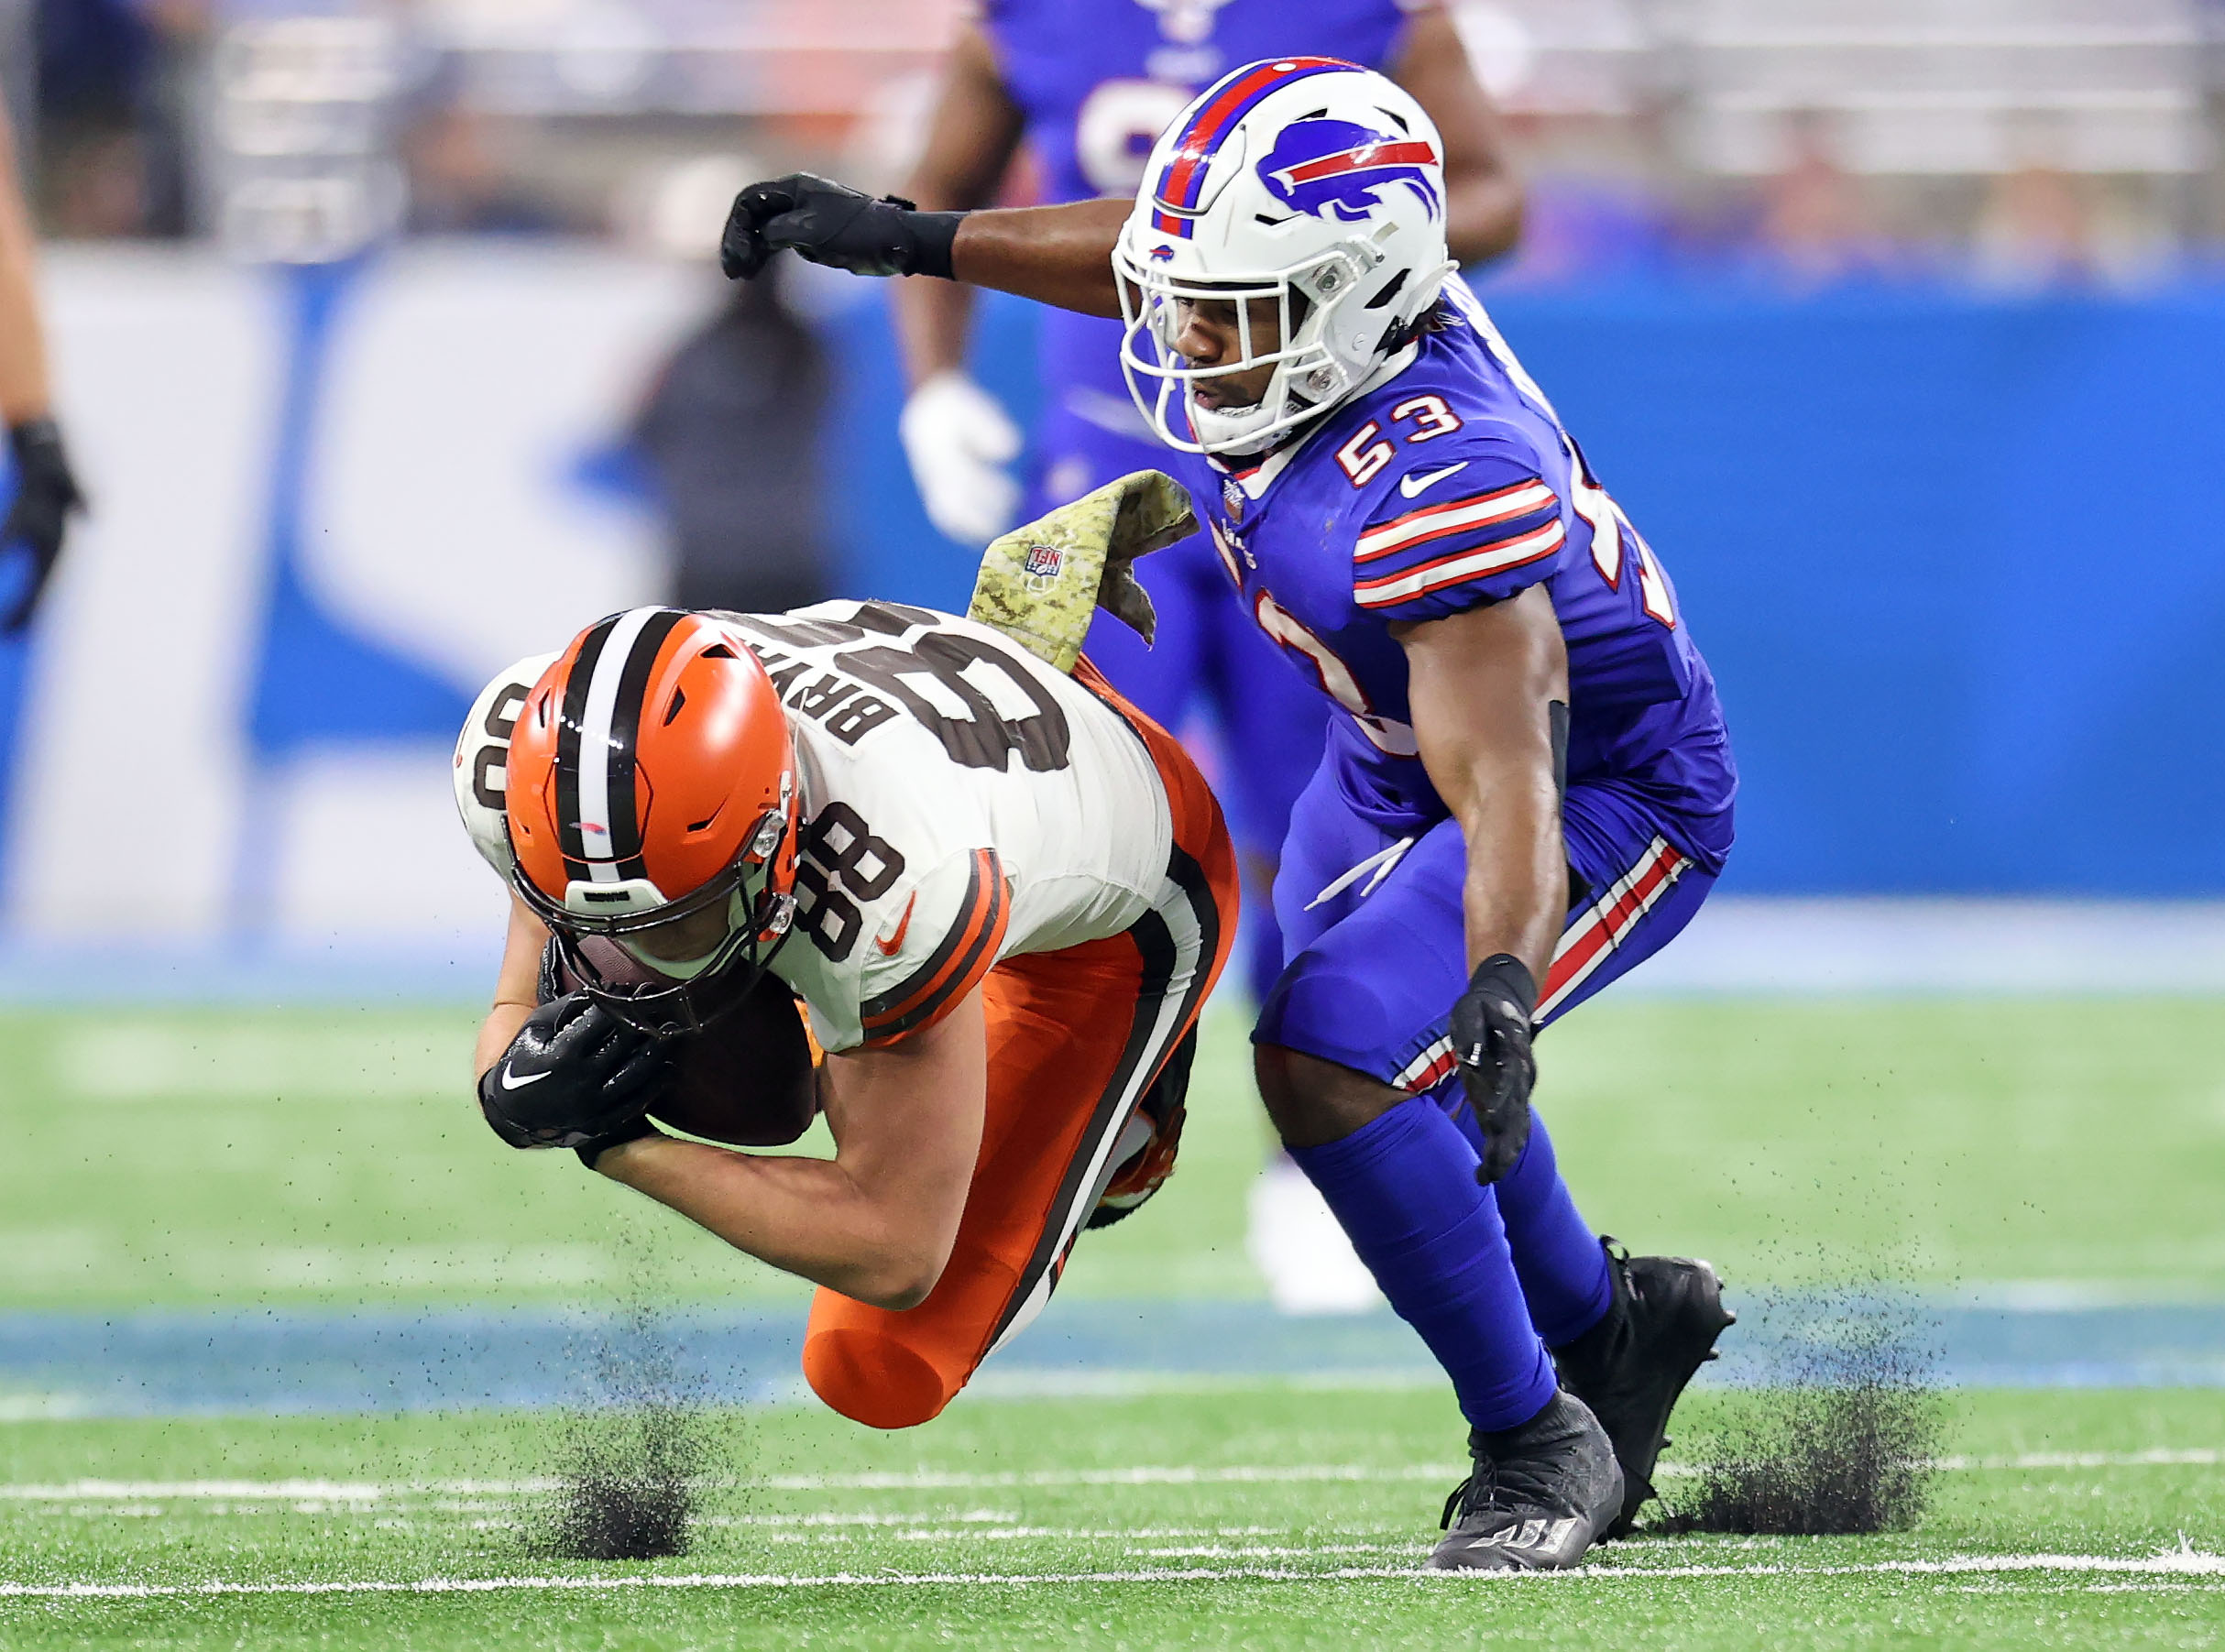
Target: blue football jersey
1097,80
1449,485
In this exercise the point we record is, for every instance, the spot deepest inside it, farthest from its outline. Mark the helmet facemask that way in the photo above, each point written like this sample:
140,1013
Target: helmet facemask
1311,374
651,805
737,922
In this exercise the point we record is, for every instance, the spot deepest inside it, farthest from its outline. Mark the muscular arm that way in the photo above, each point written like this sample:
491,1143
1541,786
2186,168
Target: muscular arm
970,140
1479,684
1483,197
877,1222
24,393
1060,256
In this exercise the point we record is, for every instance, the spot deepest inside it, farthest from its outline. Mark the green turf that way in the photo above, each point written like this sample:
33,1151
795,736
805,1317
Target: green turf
330,1157
1000,1490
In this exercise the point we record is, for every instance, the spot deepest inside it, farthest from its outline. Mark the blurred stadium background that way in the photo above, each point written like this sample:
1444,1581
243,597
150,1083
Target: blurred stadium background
1899,326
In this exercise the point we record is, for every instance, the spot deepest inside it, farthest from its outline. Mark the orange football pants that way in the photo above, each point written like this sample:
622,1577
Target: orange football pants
1075,1039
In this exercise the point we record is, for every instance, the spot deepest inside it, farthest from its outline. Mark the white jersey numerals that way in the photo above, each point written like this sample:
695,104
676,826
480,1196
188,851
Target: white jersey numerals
1429,415
1364,455
1586,498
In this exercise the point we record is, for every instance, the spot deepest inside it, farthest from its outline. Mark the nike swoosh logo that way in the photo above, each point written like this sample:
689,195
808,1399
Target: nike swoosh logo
890,948
1411,486
510,1080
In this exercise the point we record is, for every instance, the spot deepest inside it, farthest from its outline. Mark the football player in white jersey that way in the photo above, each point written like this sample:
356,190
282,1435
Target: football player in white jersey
1000,893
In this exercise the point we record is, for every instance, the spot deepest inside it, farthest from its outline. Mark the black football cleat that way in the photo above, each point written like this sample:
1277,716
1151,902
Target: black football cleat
1539,1498
1631,1366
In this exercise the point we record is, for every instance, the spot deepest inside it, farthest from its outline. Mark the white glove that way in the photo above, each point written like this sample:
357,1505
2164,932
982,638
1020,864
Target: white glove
958,438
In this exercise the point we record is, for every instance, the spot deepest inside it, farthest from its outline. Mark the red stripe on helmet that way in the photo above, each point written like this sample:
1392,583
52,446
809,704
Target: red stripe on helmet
1226,105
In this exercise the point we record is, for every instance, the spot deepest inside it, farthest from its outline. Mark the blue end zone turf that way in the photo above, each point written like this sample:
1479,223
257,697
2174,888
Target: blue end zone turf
189,1362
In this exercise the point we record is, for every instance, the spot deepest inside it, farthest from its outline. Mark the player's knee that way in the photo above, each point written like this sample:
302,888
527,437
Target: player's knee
1312,1101
876,1379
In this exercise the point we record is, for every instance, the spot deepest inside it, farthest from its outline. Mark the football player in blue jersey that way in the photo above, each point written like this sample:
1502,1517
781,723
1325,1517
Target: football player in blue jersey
1527,786
1089,86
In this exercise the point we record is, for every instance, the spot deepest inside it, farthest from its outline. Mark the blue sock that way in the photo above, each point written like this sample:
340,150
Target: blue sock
1557,1256
1404,1188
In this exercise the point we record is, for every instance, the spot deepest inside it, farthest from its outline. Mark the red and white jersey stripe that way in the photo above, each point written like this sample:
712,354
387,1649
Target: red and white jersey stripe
1473,562
1455,516
1588,941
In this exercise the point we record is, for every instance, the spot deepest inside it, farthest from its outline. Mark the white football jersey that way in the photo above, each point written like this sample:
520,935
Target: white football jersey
961,800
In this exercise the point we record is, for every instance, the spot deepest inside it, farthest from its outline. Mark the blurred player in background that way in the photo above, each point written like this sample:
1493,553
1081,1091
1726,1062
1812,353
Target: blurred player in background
1003,922
1527,786
41,490
1089,86
733,427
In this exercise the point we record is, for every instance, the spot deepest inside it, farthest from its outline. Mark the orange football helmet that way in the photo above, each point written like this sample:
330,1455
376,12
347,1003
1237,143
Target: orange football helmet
652,801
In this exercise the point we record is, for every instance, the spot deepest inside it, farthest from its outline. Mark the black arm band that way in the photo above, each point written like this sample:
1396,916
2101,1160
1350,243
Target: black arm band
1512,978
932,234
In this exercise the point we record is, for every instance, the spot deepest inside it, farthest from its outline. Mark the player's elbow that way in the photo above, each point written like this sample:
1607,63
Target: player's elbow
898,1282
902,1271
909,1296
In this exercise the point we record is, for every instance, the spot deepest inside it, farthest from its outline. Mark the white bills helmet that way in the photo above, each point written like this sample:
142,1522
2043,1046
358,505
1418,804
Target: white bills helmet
1310,182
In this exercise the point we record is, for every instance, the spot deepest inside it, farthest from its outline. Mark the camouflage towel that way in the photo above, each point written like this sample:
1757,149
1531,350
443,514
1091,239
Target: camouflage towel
1040,584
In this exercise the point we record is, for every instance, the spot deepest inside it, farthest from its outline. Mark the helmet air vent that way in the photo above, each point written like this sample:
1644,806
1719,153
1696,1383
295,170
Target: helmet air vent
717,651
1390,291
679,698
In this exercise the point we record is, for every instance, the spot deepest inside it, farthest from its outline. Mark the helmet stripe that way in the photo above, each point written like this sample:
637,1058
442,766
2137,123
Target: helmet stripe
603,754
1236,94
569,717
625,738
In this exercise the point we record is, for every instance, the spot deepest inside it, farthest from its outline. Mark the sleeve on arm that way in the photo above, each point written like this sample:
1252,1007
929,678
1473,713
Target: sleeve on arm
1481,535
944,943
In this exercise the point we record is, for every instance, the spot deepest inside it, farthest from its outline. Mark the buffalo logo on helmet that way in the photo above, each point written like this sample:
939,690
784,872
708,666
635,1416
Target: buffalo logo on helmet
1042,561
1339,168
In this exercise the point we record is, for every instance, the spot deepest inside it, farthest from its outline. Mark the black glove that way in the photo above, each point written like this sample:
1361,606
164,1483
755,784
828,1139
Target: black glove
1491,1041
834,225
46,493
574,1073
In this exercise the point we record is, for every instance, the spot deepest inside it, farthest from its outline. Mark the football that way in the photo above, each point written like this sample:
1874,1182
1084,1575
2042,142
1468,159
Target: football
746,1079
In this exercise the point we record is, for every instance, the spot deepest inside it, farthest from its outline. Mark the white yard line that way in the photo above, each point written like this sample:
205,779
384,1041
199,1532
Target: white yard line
2174,1563
937,1480
2199,1457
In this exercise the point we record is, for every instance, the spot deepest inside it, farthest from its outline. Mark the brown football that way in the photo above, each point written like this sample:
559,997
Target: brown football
745,1080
